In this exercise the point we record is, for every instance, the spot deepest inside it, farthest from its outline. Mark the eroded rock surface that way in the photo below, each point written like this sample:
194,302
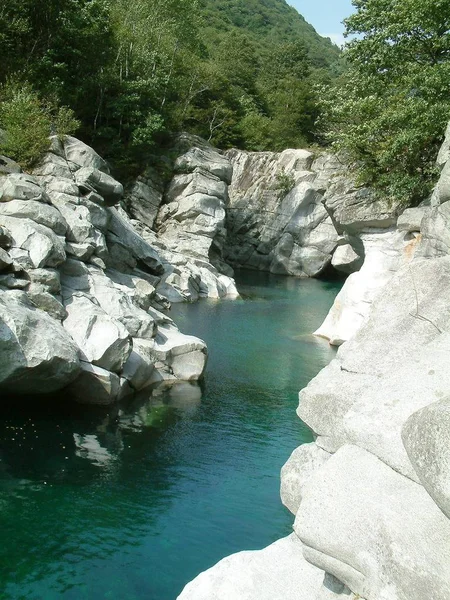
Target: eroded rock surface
276,218
371,495
278,571
79,286
378,532
36,353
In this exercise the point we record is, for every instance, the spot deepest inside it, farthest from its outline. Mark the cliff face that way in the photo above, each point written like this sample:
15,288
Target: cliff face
276,220
298,214
371,495
82,283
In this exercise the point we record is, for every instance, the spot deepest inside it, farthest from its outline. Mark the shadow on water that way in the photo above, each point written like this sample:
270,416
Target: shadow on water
134,501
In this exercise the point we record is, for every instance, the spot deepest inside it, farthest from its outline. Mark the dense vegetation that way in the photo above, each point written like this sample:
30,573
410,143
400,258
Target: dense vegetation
238,72
390,108
250,73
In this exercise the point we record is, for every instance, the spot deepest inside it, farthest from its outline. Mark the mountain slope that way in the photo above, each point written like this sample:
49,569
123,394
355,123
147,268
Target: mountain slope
267,22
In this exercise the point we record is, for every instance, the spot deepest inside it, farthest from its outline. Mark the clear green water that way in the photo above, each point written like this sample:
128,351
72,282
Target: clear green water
133,504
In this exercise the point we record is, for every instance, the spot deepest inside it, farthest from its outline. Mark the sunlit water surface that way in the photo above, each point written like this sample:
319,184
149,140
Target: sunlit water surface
134,504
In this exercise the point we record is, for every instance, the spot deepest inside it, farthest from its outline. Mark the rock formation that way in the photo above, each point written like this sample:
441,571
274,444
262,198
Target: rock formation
276,219
81,287
86,270
371,495
299,214
185,221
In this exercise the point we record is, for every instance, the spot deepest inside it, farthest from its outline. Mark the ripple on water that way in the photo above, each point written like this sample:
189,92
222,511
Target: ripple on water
133,503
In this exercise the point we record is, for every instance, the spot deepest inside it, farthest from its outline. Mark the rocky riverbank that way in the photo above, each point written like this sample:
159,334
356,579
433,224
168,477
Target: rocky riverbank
83,283
95,265
371,495
88,271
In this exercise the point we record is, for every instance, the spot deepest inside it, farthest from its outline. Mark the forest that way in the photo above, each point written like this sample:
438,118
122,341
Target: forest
125,74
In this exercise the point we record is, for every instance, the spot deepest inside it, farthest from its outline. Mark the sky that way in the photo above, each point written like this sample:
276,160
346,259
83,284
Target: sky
325,16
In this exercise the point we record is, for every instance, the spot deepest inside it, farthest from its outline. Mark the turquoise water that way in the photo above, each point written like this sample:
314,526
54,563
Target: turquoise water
133,503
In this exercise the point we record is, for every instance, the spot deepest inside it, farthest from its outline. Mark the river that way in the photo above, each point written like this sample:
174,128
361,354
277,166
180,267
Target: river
131,504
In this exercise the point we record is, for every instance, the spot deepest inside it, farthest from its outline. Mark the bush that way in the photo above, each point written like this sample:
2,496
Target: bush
284,183
28,122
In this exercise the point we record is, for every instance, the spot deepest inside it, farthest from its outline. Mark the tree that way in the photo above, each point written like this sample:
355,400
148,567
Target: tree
27,123
59,46
389,109
288,94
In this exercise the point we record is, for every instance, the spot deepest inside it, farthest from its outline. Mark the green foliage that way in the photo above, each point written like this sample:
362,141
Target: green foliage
389,109
267,23
59,46
284,183
269,58
237,72
28,122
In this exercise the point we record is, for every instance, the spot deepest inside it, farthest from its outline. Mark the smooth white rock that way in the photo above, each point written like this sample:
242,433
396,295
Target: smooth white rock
353,208
104,341
36,354
395,365
435,228
79,226
118,305
346,260
138,369
185,354
36,211
426,436
52,165
108,187
411,218
278,572
198,182
121,230
95,385
301,465
206,158
20,186
375,530
385,253
81,155
45,248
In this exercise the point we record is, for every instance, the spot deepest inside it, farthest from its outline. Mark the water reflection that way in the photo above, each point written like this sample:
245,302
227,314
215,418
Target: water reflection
161,406
133,501
90,448
50,450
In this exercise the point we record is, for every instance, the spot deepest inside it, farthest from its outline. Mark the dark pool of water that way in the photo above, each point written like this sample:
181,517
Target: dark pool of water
132,504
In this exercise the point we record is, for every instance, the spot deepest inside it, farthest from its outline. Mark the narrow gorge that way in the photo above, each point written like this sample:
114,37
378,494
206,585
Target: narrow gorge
88,272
